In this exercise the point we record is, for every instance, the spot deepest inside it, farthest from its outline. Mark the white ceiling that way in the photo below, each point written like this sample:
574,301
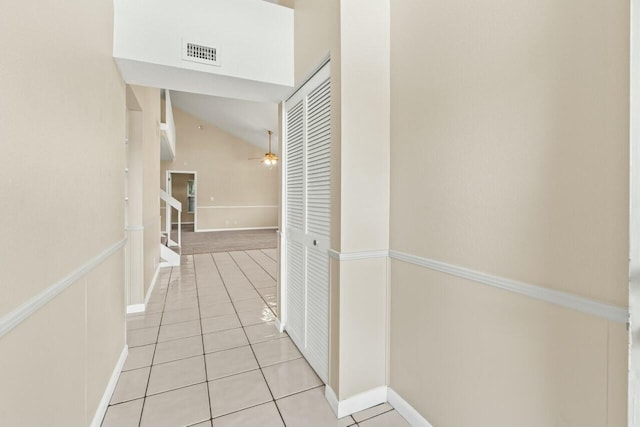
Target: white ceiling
286,3
247,120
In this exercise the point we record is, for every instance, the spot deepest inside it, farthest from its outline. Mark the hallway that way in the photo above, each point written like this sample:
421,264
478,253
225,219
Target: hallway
207,353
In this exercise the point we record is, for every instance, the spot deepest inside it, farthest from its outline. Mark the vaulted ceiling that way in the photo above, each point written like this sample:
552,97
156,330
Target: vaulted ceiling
247,120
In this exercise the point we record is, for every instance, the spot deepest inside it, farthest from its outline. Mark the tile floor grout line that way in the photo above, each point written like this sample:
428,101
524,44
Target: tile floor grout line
146,389
248,279
204,351
162,342
263,251
273,399
260,267
164,391
253,260
204,358
246,252
170,361
376,415
253,286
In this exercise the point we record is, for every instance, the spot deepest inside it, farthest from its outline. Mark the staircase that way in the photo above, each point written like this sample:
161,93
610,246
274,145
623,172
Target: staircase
170,250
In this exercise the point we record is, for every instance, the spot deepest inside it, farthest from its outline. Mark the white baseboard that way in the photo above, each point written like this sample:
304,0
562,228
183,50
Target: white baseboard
152,285
140,308
331,397
356,403
372,398
235,229
171,258
135,308
279,325
111,386
407,411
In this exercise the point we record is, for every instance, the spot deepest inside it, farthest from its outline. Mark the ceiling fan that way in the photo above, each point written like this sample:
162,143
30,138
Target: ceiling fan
269,158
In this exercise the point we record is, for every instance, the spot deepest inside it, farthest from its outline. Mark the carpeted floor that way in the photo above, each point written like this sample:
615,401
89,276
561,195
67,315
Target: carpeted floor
224,241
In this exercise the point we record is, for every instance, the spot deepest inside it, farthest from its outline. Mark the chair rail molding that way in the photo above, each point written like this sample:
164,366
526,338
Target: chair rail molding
25,310
564,299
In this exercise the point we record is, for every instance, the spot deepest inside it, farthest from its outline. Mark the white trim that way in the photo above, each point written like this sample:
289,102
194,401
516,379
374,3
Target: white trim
237,229
182,171
135,308
564,299
347,256
309,76
283,170
142,227
331,397
357,403
373,397
235,207
279,325
183,223
407,411
22,312
111,386
154,280
282,283
321,74
633,405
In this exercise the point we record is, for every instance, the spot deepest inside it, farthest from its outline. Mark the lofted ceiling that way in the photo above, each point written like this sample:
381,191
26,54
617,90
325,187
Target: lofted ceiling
247,120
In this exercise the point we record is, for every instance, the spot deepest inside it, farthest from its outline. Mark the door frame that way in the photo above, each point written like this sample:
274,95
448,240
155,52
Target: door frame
309,240
633,380
281,320
169,187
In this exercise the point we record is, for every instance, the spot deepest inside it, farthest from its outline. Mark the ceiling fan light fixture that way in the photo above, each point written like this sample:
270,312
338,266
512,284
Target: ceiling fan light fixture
270,159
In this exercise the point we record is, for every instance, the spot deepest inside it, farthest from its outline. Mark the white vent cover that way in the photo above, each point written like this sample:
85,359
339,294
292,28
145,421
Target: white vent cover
197,52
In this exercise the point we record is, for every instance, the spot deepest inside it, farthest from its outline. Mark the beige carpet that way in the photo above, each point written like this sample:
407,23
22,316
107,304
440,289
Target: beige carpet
224,241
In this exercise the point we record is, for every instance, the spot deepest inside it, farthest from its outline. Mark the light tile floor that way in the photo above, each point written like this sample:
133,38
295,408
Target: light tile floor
207,353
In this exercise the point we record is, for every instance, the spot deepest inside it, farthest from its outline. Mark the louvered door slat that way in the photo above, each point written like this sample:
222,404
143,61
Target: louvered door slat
318,156
295,291
317,350
295,171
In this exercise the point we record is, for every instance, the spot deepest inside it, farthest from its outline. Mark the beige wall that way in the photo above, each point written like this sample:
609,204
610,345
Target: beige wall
509,156
232,191
62,114
467,354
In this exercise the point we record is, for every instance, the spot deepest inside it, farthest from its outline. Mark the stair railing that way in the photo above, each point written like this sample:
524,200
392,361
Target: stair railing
171,202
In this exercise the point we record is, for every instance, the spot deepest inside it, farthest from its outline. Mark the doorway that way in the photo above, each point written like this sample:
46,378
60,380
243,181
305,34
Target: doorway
182,185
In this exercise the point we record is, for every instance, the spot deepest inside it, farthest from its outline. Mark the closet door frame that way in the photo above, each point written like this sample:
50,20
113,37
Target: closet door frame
322,244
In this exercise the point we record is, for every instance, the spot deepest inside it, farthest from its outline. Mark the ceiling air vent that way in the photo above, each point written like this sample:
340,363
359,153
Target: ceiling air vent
200,53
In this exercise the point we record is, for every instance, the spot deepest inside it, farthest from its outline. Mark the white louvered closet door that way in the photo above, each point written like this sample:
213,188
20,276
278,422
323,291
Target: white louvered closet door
307,181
